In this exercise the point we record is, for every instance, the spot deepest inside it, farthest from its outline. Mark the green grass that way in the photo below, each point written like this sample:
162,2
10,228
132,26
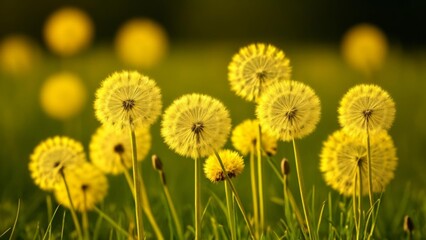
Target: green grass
202,68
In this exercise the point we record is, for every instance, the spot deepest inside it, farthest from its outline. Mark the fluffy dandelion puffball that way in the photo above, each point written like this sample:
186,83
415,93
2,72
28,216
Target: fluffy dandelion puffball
68,31
141,43
342,155
128,98
366,106
289,110
194,125
18,54
63,95
51,157
232,162
364,47
88,186
244,138
255,67
111,150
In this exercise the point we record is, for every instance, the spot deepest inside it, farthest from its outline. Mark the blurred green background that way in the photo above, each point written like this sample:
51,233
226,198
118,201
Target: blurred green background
203,37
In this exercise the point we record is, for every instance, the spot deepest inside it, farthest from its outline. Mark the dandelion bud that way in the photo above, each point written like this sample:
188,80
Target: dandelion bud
408,224
285,167
156,163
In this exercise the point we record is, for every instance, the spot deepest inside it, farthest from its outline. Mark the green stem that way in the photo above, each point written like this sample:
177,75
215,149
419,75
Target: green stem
137,187
355,206
360,197
260,179
229,205
300,180
112,222
370,181
237,197
197,199
148,212
173,212
254,191
73,212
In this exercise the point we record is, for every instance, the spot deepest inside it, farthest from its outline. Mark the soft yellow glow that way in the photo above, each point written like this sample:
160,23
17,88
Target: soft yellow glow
18,54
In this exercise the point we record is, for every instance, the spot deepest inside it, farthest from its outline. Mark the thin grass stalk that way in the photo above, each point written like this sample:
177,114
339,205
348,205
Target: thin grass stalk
230,211
260,180
112,222
197,178
138,201
300,180
72,209
254,191
237,197
173,211
85,219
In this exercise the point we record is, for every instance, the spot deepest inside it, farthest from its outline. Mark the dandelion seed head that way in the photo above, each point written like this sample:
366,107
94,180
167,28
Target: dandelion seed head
110,150
126,99
342,154
255,67
232,161
194,125
244,138
366,105
88,186
51,157
289,110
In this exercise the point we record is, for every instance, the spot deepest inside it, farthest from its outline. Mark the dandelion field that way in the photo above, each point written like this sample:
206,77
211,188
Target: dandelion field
202,67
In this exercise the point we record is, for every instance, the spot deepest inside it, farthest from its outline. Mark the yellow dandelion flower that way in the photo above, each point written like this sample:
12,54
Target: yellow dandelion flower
87,187
195,125
289,110
244,137
255,67
366,106
18,54
52,156
63,95
364,47
68,30
128,98
232,161
141,43
342,154
111,152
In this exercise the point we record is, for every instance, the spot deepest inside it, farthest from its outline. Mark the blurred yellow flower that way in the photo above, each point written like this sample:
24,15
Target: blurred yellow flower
111,151
128,98
255,67
244,137
18,54
68,31
289,110
342,154
141,43
232,162
63,95
364,47
87,186
51,157
366,105
195,125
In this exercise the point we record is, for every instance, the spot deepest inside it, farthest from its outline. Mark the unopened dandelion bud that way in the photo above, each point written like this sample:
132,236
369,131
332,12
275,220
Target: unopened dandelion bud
408,224
285,167
156,163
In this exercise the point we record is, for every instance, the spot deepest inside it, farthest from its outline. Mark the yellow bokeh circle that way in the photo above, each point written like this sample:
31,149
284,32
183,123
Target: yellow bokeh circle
63,95
18,54
141,43
68,31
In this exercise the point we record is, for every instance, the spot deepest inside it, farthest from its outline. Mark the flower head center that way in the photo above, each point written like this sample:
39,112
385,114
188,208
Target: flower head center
84,187
291,114
367,113
128,104
119,148
197,128
261,75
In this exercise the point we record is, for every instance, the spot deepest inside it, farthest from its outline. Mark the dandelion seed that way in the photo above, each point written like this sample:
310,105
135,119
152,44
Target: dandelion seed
289,110
87,185
68,31
63,95
128,99
51,157
255,67
195,125
111,152
366,106
342,154
232,161
244,137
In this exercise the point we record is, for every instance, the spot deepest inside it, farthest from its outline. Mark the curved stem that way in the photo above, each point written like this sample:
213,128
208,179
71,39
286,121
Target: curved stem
254,191
370,181
72,209
173,212
197,199
300,180
260,179
360,197
85,219
355,206
229,205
